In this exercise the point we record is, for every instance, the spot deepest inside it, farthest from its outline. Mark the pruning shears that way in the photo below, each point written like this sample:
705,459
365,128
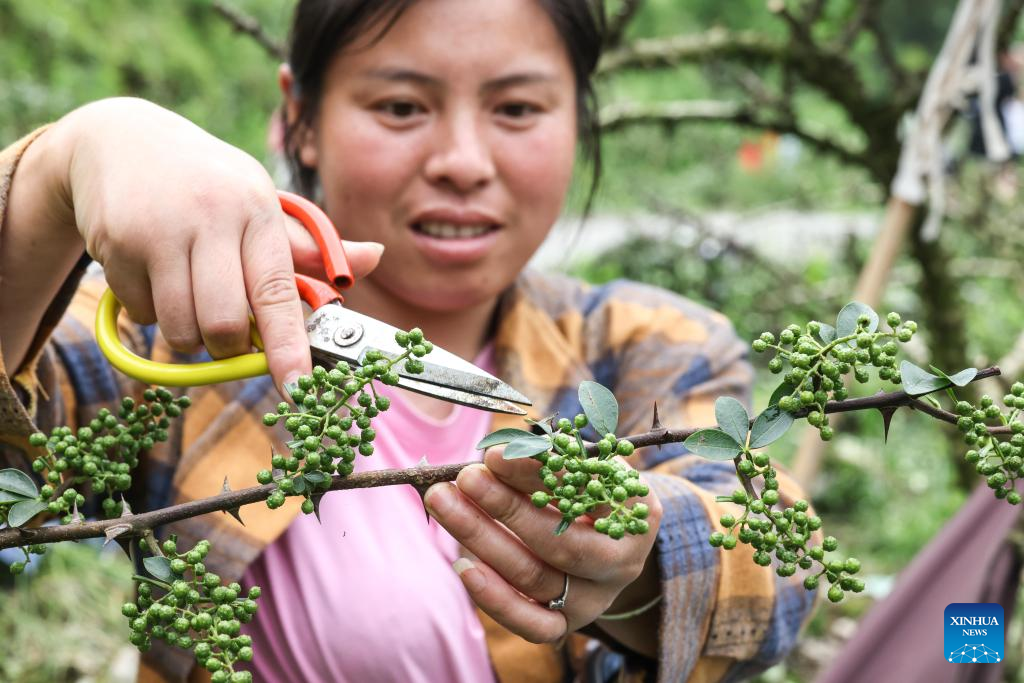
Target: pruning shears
335,334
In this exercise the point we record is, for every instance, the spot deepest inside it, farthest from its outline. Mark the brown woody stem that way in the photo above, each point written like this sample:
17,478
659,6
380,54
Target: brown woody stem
141,525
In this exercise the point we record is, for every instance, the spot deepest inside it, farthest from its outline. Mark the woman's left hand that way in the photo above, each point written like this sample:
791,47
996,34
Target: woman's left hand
520,565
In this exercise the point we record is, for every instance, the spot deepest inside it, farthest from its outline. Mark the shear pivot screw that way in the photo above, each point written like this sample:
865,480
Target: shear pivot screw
348,335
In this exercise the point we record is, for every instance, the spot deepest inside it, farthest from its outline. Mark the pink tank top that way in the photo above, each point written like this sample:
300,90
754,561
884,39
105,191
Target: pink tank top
370,594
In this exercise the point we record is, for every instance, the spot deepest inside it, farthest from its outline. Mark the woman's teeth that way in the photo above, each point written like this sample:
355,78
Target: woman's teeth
452,231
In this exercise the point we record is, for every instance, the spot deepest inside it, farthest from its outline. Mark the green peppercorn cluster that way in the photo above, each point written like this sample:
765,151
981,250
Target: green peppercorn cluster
325,440
784,533
818,359
577,484
35,549
104,452
1000,461
193,610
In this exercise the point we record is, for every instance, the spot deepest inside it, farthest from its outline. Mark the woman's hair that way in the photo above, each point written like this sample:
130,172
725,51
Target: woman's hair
321,28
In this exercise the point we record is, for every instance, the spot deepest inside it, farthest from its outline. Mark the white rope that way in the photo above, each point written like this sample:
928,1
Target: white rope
921,174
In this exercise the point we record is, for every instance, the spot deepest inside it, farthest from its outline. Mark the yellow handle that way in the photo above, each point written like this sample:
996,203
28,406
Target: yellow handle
169,374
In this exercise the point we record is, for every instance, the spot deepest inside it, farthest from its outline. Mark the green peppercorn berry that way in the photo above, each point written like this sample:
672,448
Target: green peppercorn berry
727,521
580,421
835,594
759,345
1013,498
625,448
366,448
270,419
130,610
308,507
716,538
540,499
830,543
178,566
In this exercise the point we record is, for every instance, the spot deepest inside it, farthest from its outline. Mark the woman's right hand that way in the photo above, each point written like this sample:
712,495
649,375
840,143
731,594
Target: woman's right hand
190,232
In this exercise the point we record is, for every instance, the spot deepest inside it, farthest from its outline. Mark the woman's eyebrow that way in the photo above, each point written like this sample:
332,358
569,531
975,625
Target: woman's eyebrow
420,78
402,75
511,80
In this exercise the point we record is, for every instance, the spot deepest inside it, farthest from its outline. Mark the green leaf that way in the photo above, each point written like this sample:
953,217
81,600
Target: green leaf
600,407
300,484
16,481
826,333
961,379
562,526
769,426
6,497
713,444
917,381
846,323
159,567
732,418
544,423
502,436
315,477
784,389
527,447
24,511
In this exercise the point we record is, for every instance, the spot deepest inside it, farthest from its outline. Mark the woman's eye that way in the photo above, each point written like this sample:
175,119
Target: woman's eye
400,109
517,110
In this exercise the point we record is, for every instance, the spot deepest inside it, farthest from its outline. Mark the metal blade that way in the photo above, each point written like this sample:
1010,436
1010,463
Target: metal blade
338,333
495,405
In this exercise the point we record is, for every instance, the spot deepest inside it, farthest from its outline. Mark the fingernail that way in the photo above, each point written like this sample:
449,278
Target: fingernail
291,383
474,480
438,498
473,580
377,246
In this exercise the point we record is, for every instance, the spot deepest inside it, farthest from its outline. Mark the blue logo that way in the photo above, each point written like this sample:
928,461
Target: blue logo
974,633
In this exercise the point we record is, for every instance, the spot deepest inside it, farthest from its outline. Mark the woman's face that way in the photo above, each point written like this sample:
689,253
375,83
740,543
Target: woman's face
451,141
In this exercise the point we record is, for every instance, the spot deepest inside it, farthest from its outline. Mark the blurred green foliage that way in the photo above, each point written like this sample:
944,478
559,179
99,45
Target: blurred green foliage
61,621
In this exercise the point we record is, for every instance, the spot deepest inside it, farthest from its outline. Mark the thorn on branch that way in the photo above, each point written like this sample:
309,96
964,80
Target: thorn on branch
655,423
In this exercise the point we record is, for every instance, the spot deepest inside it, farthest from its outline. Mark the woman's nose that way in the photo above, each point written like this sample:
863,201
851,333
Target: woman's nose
462,157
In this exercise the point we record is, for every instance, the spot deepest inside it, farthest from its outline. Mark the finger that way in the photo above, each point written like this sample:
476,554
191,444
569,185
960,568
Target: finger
578,551
483,537
221,309
519,473
175,302
270,286
363,257
132,288
534,622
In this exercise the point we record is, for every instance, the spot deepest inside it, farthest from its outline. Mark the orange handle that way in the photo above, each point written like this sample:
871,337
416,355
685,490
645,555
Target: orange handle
313,291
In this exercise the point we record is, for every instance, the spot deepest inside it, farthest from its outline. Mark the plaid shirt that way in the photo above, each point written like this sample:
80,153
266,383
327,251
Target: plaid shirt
722,616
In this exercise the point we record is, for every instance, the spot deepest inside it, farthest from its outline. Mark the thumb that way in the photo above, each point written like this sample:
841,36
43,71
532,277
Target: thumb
363,257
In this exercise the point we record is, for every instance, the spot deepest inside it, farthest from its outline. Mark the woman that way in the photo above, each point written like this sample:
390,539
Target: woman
446,132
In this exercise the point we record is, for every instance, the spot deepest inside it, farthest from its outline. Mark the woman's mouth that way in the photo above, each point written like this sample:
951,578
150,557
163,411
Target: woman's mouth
443,230
447,243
